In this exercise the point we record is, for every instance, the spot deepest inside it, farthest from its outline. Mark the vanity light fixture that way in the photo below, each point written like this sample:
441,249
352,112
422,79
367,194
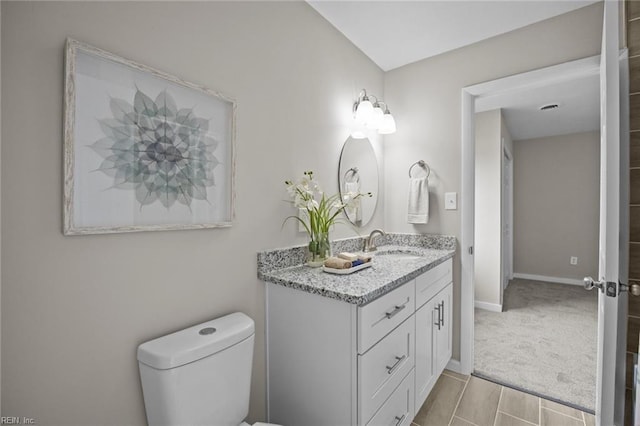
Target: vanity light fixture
371,116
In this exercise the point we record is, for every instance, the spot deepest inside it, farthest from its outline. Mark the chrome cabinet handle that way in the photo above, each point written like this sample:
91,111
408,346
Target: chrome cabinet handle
399,419
399,359
395,311
438,321
442,313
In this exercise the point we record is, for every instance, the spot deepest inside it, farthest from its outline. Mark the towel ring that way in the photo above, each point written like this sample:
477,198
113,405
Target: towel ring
422,164
354,173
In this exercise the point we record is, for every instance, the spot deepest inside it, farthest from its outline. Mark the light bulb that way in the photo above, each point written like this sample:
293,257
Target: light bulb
376,117
364,110
387,125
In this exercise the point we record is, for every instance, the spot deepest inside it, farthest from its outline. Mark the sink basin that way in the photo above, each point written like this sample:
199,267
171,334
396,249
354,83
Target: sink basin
399,255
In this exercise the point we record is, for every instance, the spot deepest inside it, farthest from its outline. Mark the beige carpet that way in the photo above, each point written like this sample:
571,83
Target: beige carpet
544,341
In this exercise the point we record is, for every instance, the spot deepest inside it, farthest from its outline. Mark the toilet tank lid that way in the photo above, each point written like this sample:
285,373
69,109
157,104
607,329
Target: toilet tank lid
197,342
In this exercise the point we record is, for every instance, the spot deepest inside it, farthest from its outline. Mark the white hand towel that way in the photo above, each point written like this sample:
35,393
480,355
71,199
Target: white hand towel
418,211
356,207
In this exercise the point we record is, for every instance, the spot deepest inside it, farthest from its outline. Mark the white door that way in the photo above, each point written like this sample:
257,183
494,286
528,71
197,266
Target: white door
611,310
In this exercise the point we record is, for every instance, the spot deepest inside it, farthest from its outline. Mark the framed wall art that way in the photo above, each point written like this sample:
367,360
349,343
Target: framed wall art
143,151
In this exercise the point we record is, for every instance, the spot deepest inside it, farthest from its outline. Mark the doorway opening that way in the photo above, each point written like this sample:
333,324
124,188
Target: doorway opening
508,279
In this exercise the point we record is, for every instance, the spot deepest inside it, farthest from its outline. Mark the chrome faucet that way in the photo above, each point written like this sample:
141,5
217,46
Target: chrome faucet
369,242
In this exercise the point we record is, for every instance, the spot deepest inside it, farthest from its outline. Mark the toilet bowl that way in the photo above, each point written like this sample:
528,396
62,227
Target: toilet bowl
200,375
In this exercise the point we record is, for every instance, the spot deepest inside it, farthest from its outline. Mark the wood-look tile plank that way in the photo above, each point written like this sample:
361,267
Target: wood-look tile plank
633,9
457,421
633,37
589,419
562,409
633,329
553,418
634,224
507,420
629,370
634,75
441,402
634,302
634,190
634,112
634,263
479,403
634,148
519,404
634,219
628,407
459,376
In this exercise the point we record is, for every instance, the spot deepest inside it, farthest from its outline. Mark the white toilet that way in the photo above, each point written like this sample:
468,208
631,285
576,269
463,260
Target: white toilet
200,375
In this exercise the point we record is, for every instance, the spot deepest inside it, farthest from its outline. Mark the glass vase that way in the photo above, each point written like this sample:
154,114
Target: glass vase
319,249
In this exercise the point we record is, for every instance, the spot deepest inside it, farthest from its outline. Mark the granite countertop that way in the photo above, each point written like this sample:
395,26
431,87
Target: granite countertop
387,272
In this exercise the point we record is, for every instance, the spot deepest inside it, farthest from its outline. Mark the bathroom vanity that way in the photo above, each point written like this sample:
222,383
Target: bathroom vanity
360,349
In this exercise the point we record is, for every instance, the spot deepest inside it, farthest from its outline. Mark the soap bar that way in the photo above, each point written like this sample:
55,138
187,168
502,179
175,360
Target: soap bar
348,256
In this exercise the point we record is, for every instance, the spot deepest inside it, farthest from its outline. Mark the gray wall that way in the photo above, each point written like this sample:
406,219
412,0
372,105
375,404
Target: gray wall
426,99
487,241
556,205
74,309
492,136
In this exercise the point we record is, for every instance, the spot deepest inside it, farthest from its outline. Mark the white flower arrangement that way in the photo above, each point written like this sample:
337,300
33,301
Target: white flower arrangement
322,211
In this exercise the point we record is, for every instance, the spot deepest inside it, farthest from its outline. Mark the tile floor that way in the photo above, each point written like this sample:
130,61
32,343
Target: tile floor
458,400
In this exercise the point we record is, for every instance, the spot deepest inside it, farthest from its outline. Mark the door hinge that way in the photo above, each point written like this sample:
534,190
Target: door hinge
611,289
471,250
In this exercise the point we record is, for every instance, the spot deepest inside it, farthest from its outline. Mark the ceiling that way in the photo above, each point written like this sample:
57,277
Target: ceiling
578,109
395,33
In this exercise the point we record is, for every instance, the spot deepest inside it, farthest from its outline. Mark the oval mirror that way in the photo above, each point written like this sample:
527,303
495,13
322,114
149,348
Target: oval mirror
358,172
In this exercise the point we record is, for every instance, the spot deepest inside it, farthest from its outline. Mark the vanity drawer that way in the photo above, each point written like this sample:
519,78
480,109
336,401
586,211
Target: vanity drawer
432,281
398,410
383,367
384,314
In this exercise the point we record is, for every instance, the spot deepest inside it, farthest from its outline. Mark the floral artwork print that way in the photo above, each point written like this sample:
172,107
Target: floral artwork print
161,152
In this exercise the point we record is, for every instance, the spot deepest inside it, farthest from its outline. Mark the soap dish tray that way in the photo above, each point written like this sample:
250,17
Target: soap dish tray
347,271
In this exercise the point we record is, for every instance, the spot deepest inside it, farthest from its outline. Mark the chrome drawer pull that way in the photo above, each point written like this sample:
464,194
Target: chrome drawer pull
439,317
442,313
399,359
400,419
393,313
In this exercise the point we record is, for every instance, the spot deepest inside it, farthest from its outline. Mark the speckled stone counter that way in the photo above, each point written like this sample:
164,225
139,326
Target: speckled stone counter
286,266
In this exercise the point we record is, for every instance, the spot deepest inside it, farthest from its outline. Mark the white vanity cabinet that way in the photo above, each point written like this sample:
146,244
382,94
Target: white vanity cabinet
330,362
434,297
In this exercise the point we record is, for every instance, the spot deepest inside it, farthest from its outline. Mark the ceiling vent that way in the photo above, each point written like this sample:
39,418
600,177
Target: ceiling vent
548,107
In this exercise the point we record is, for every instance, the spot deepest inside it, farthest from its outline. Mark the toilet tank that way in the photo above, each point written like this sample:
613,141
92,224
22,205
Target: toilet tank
200,375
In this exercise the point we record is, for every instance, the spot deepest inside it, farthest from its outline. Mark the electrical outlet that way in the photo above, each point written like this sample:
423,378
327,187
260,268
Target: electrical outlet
574,260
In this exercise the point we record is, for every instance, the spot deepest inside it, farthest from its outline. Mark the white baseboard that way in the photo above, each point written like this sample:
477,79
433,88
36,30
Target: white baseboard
493,307
544,278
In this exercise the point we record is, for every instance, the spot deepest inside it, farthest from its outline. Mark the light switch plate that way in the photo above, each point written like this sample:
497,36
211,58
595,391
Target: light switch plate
451,201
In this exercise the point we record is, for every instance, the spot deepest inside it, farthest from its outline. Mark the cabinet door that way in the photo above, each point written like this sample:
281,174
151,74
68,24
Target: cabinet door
426,376
442,328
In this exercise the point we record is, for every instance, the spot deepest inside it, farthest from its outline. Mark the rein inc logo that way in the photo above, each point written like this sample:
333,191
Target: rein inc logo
5,420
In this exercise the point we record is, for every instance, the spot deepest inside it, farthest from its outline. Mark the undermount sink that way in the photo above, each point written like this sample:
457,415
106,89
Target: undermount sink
399,254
